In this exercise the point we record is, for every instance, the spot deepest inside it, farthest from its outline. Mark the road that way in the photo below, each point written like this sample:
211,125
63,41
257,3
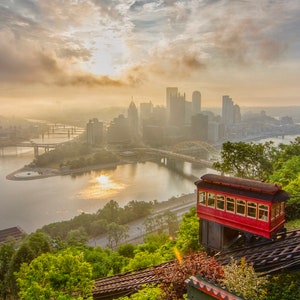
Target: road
137,230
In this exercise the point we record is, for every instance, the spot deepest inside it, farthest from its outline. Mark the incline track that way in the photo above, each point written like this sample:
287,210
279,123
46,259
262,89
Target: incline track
126,283
283,253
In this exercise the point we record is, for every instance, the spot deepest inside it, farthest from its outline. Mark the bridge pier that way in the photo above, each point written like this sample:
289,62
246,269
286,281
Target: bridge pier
36,150
172,163
163,160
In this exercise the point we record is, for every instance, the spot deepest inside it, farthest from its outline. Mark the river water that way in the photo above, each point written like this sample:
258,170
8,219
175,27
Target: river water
31,204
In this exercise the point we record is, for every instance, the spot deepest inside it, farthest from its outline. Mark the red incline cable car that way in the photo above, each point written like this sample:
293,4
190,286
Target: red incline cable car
231,206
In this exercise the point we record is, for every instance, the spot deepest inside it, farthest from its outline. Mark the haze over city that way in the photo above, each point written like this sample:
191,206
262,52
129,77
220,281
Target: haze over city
105,53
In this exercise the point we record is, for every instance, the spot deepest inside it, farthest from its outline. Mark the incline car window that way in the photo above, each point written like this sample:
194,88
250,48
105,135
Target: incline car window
230,204
202,198
251,209
276,210
211,199
220,202
240,207
263,212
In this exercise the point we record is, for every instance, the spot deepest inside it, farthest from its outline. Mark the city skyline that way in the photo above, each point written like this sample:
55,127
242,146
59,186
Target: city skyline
104,53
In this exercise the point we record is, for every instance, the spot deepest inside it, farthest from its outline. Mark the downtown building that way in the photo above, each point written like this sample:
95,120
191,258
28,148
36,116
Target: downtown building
94,132
231,117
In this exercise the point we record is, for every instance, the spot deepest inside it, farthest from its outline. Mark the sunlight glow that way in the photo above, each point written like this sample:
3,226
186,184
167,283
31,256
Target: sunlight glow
178,255
104,181
107,57
100,187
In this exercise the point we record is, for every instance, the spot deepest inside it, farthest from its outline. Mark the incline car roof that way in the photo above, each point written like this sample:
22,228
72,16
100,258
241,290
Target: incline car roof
241,186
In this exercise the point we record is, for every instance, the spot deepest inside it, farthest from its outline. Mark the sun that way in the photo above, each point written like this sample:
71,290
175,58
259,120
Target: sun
104,180
101,186
107,56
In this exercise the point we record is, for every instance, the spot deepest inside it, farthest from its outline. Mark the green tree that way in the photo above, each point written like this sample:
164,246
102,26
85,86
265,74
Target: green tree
135,210
165,221
150,225
284,286
286,151
288,176
247,160
154,241
110,212
6,253
97,227
187,240
127,250
171,222
287,172
77,237
60,276
116,233
34,245
39,243
293,188
24,254
104,262
158,244
240,278
143,260
149,292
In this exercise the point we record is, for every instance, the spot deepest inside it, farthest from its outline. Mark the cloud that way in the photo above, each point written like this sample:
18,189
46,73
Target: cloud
56,42
246,33
32,53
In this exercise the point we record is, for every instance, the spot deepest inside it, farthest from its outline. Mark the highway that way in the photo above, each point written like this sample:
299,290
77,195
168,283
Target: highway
137,231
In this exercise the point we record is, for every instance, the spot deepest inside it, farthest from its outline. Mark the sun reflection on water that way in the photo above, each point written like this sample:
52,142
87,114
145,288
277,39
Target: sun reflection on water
101,186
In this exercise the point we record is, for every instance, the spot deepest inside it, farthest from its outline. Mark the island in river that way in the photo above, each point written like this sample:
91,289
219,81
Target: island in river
31,173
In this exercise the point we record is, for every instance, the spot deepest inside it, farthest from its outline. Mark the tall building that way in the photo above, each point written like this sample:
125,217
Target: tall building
118,131
154,135
237,117
146,110
227,110
188,112
196,102
133,119
199,128
94,132
170,92
177,110
213,131
159,115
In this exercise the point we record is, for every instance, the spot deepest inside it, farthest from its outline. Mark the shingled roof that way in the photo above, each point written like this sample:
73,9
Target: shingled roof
12,233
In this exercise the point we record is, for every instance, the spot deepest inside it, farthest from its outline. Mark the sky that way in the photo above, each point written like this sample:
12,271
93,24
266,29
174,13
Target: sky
99,53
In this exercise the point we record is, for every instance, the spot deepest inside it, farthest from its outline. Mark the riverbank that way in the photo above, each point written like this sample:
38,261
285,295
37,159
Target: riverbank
33,173
136,229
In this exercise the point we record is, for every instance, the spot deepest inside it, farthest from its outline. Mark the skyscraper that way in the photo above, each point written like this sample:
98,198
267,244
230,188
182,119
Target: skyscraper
146,110
227,110
196,102
133,120
118,131
199,128
177,110
170,92
94,132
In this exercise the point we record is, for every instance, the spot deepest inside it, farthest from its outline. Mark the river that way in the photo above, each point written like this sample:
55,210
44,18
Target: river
31,204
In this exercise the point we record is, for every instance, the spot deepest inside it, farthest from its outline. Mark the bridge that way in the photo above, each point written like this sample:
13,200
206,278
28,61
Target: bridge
36,146
178,156
70,132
